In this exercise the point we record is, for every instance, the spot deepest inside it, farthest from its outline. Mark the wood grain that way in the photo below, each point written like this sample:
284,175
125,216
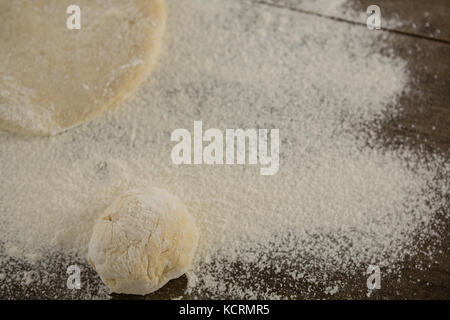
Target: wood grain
429,19
423,125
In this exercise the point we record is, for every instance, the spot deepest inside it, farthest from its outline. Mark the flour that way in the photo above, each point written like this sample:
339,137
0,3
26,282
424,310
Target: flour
334,205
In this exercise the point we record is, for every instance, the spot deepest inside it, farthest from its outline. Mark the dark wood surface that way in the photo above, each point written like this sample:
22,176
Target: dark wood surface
428,19
424,124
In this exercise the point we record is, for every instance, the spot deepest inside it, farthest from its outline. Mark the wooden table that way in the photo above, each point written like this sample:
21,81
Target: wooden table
424,41
424,124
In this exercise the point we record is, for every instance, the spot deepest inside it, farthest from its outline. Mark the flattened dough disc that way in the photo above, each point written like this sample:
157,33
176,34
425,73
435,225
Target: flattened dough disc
53,78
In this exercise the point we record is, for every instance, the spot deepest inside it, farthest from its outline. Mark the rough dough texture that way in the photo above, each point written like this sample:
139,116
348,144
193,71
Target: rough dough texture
144,239
53,78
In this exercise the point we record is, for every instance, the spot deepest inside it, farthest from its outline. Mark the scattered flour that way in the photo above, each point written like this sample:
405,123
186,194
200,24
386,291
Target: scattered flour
335,205
335,9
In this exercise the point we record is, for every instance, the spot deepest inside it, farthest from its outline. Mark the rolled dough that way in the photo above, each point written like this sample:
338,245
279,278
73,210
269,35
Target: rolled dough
53,78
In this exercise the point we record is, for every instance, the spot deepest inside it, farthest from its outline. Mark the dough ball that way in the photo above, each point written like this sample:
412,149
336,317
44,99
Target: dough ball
143,240
53,78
